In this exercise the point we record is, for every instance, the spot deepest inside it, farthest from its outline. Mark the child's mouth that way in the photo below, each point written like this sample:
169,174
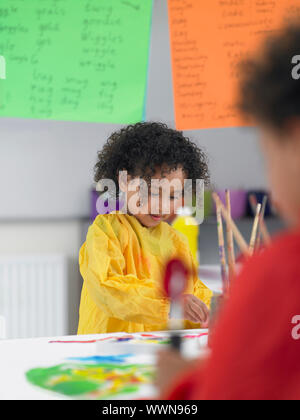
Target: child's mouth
156,218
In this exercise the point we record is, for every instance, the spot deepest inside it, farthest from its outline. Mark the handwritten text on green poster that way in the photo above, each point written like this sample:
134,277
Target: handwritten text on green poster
79,60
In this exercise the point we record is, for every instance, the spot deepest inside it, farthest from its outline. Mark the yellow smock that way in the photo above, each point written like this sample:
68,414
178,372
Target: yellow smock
122,264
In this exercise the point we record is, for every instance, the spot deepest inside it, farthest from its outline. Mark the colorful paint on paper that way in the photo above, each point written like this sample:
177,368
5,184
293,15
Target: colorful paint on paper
92,381
136,339
102,359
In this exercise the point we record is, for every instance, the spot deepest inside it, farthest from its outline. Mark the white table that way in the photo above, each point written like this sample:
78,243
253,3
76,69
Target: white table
18,356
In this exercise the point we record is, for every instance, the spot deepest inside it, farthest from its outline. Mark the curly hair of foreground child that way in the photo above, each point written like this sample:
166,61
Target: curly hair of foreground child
269,93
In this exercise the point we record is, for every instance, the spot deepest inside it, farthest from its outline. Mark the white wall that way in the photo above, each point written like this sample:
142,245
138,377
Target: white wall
47,166
56,237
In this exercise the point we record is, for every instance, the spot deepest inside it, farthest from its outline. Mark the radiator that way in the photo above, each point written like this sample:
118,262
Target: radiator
34,295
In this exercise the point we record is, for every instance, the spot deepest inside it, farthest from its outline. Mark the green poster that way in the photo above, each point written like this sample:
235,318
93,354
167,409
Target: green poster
76,60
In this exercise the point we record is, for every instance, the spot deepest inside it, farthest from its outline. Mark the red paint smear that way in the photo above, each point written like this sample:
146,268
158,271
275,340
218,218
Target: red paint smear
90,341
151,335
195,336
60,341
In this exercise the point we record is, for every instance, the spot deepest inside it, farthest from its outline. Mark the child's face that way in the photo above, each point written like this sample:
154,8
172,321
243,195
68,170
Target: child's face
282,156
160,200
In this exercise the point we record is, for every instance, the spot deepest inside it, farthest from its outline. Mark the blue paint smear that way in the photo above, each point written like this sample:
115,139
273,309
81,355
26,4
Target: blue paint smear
124,339
103,359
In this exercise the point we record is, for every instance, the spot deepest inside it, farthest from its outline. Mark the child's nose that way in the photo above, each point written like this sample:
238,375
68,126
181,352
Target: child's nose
156,205
165,206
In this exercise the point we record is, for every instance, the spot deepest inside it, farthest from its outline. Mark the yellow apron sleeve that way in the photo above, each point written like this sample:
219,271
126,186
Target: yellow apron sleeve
199,290
202,292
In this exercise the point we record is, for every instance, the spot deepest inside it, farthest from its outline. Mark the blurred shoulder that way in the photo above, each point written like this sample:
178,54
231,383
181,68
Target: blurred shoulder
285,246
277,265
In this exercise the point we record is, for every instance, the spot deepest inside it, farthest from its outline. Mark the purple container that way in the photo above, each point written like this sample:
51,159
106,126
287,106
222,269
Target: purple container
259,194
94,210
94,197
238,200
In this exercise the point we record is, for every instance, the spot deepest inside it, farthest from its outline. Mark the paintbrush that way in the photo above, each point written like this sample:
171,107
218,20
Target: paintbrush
222,254
261,221
230,244
236,233
262,225
254,230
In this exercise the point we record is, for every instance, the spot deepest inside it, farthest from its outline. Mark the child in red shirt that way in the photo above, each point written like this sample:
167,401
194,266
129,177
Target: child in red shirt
256,344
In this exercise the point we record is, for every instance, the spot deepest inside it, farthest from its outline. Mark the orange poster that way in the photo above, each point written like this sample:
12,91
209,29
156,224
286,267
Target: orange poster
208,38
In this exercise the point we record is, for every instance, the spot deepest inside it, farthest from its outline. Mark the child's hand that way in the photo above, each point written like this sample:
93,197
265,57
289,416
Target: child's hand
169,365
195,310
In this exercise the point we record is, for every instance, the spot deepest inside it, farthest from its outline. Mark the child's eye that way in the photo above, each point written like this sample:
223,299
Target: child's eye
171,198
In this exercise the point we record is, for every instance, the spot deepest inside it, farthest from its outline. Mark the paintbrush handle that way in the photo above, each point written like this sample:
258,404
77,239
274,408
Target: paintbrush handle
262,225
254,230
221,248
230,244
236,233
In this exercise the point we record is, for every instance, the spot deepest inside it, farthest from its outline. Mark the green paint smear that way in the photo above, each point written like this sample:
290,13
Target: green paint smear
167,341
92,381
129,388
75,387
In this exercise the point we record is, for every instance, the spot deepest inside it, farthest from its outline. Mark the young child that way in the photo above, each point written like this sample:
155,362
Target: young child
255,346
123,259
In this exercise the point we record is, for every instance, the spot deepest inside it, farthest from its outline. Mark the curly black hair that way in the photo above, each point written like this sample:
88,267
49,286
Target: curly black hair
268,92
143,147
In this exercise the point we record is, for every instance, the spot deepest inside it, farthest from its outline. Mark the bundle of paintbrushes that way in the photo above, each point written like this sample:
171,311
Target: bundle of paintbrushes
259,233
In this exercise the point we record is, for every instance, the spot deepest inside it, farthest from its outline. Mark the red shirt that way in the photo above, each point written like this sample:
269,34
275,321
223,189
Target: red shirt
255,347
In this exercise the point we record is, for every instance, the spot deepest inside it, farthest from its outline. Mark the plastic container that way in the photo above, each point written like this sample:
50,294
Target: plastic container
208,205
259,195
188,225
94,208
238,200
